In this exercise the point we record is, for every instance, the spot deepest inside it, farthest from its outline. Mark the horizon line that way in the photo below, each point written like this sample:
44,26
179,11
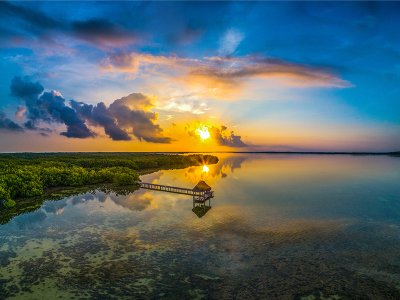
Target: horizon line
238,152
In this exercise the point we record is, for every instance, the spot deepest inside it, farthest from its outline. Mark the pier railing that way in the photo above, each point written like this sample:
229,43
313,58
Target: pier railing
171,189
198,196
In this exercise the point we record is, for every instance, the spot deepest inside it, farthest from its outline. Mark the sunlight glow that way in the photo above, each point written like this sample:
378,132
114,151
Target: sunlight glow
203,133
205,169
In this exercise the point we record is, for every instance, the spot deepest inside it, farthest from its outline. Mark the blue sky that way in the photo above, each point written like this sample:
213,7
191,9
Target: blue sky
258,75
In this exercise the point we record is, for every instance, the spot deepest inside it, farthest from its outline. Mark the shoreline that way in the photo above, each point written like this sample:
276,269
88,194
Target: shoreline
22,203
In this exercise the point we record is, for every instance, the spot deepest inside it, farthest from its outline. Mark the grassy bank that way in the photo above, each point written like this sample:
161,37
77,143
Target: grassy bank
32,174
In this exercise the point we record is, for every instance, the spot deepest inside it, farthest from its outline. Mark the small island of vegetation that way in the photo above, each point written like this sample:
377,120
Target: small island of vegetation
28,175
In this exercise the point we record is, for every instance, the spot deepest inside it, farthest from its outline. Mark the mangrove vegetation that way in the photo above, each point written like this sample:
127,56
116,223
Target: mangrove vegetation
28,175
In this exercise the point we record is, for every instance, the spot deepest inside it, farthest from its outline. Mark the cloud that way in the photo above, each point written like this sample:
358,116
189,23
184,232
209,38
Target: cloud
102,32
223,71
233,70
128,115
37,29
220,134
25,89
29,92
48,107
20,113
132,112
230,41
26,26
59,112
226,138
99,115
135,62
34,18
184,104
125,116
108,23
7,124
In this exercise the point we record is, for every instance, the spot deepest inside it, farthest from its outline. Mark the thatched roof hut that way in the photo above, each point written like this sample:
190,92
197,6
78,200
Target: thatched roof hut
202,187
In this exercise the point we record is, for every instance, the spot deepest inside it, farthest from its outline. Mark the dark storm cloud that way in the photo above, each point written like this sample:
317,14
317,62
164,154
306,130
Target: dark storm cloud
23,25
125,116
226,138
29,92
30,22
112,24
24,88
101,32
99,115
47,107
128,115
7,124
55,105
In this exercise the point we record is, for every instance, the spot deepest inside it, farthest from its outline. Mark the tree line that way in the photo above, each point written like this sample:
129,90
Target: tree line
30,174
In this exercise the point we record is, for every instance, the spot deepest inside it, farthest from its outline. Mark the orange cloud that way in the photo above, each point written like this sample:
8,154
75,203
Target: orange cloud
134,62
233,70
223,72
20,113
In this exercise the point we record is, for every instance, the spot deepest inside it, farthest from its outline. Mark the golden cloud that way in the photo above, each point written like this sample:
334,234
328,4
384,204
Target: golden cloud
223,72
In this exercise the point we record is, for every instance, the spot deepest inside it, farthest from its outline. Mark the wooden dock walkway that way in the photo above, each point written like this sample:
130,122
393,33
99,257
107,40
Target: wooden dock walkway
199,196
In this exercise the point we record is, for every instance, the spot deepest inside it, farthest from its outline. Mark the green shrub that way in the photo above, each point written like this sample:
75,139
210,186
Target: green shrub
122,179
9,203
4,193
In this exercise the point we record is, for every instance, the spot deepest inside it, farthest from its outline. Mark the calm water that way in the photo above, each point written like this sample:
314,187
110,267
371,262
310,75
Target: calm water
280,226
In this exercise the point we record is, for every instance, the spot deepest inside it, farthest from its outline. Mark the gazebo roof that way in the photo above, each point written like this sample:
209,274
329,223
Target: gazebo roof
201,187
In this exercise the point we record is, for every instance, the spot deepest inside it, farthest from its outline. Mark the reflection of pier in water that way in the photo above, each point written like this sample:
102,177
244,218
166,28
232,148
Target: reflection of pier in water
201,193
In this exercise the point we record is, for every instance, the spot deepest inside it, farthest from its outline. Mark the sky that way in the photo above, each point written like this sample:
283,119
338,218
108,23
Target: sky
199,76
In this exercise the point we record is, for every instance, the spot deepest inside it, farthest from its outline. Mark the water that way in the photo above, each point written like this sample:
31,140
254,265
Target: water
280,226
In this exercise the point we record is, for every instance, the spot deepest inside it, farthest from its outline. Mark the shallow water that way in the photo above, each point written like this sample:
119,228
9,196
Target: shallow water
280,226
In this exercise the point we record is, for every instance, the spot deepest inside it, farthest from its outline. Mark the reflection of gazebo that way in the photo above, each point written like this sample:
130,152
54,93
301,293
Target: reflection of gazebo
200,209
199,201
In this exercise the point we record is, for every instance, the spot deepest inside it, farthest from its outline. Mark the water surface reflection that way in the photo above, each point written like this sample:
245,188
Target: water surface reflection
280,226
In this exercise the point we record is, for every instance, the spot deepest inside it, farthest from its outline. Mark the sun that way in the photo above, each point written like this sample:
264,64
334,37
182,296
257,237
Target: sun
203,133
205,169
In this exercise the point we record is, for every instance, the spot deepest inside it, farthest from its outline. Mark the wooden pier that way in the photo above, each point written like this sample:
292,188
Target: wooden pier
198,194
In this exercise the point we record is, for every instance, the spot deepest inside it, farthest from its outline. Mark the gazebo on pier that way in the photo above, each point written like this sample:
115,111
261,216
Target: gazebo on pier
203,192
